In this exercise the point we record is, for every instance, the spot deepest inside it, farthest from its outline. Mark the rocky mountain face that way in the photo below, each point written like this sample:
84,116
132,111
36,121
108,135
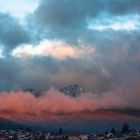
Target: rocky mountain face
73,90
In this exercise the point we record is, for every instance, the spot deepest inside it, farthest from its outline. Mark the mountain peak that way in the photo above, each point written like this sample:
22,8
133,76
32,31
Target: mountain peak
73,90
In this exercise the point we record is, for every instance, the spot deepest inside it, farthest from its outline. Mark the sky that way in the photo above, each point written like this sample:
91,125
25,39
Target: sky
51,43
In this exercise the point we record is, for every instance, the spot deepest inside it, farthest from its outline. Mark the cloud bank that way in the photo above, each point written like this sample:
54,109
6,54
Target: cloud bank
55,102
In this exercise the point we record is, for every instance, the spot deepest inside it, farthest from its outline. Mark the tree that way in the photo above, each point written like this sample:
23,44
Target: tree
28,129
60,131
113,131
125,128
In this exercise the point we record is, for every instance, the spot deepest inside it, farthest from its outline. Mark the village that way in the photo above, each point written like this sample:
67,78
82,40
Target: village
125,134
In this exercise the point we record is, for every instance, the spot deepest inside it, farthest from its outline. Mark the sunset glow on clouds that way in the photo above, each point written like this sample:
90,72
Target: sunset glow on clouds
54,101
56,49
56,43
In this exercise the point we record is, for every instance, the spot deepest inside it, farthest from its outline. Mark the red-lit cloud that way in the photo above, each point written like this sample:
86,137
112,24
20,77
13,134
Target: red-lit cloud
54,101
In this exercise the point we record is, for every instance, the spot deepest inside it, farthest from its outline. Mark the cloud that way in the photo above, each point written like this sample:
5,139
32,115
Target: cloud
9,72
54,101
66,13
119,7
56,49
1,53
12,33
114,63
127,23
69,20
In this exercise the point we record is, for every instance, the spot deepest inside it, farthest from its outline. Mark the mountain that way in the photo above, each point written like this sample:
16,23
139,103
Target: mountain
100,120
73,90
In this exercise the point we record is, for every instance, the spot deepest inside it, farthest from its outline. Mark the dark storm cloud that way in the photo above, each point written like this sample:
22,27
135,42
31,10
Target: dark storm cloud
9,72
67,13
120,7
74,13
68,19
11,32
